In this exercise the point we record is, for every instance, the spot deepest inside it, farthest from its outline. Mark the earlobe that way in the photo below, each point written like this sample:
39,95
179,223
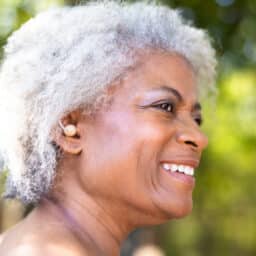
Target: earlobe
71,146
68,144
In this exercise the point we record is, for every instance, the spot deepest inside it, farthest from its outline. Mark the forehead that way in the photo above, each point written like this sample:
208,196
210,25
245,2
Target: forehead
157,69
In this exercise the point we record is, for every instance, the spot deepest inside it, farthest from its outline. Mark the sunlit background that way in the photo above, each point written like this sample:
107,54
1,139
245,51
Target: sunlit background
223,221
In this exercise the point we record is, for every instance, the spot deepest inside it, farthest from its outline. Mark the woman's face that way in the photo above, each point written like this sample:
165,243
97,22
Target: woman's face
133,148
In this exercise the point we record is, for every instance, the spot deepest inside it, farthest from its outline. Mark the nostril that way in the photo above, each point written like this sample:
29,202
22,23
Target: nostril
188,142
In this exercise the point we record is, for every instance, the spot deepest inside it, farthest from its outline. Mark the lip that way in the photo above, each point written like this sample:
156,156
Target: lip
188,181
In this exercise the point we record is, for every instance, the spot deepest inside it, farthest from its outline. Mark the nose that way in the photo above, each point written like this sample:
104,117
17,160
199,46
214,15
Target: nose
192,136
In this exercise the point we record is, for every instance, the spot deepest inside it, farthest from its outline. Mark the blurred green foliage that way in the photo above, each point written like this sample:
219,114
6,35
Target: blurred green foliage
223,221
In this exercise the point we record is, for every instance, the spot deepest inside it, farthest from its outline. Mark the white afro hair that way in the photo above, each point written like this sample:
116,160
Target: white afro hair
65,58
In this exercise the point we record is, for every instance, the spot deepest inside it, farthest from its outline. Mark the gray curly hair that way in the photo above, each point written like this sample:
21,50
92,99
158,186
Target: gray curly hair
64,59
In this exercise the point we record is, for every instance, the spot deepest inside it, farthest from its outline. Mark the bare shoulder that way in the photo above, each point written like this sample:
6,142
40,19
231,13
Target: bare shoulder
34,250
9,246
33,239
1,238
24,249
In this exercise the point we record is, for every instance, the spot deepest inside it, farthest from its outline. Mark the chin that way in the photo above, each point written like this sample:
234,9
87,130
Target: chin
180,210
164,213
183,210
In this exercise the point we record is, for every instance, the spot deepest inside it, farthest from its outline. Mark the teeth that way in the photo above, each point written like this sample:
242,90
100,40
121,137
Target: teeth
189,171
179,168
174,167
166,167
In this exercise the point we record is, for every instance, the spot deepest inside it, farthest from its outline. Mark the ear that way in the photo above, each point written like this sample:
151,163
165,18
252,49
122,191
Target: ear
71,145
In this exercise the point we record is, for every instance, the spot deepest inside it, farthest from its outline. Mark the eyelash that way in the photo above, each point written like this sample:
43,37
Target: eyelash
198,120
169,107
166,106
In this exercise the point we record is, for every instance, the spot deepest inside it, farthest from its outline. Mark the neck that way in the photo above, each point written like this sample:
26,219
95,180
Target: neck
90,222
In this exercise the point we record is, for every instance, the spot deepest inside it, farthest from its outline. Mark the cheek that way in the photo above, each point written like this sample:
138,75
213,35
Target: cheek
122,157
109,158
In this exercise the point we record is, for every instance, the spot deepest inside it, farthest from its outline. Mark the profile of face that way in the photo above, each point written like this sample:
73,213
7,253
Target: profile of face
132,148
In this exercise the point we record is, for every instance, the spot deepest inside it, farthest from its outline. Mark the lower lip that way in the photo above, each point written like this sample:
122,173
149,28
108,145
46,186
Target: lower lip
182,178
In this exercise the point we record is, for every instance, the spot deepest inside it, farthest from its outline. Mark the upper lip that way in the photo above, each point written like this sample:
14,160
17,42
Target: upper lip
188,161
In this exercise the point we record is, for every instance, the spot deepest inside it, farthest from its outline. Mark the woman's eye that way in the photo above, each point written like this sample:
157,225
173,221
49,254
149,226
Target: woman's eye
198,120
168,107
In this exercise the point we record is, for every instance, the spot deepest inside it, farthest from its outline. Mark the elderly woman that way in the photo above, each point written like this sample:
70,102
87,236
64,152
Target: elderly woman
100,119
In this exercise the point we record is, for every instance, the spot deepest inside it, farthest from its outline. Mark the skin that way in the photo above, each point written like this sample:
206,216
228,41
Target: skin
111,180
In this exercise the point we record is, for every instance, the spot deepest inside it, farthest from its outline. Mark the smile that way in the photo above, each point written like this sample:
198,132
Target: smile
188,170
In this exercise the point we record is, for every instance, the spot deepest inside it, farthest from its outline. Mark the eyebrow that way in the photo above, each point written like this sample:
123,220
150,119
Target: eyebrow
197,105
171,90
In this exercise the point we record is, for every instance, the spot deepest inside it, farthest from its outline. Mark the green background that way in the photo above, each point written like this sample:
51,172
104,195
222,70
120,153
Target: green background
223,221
